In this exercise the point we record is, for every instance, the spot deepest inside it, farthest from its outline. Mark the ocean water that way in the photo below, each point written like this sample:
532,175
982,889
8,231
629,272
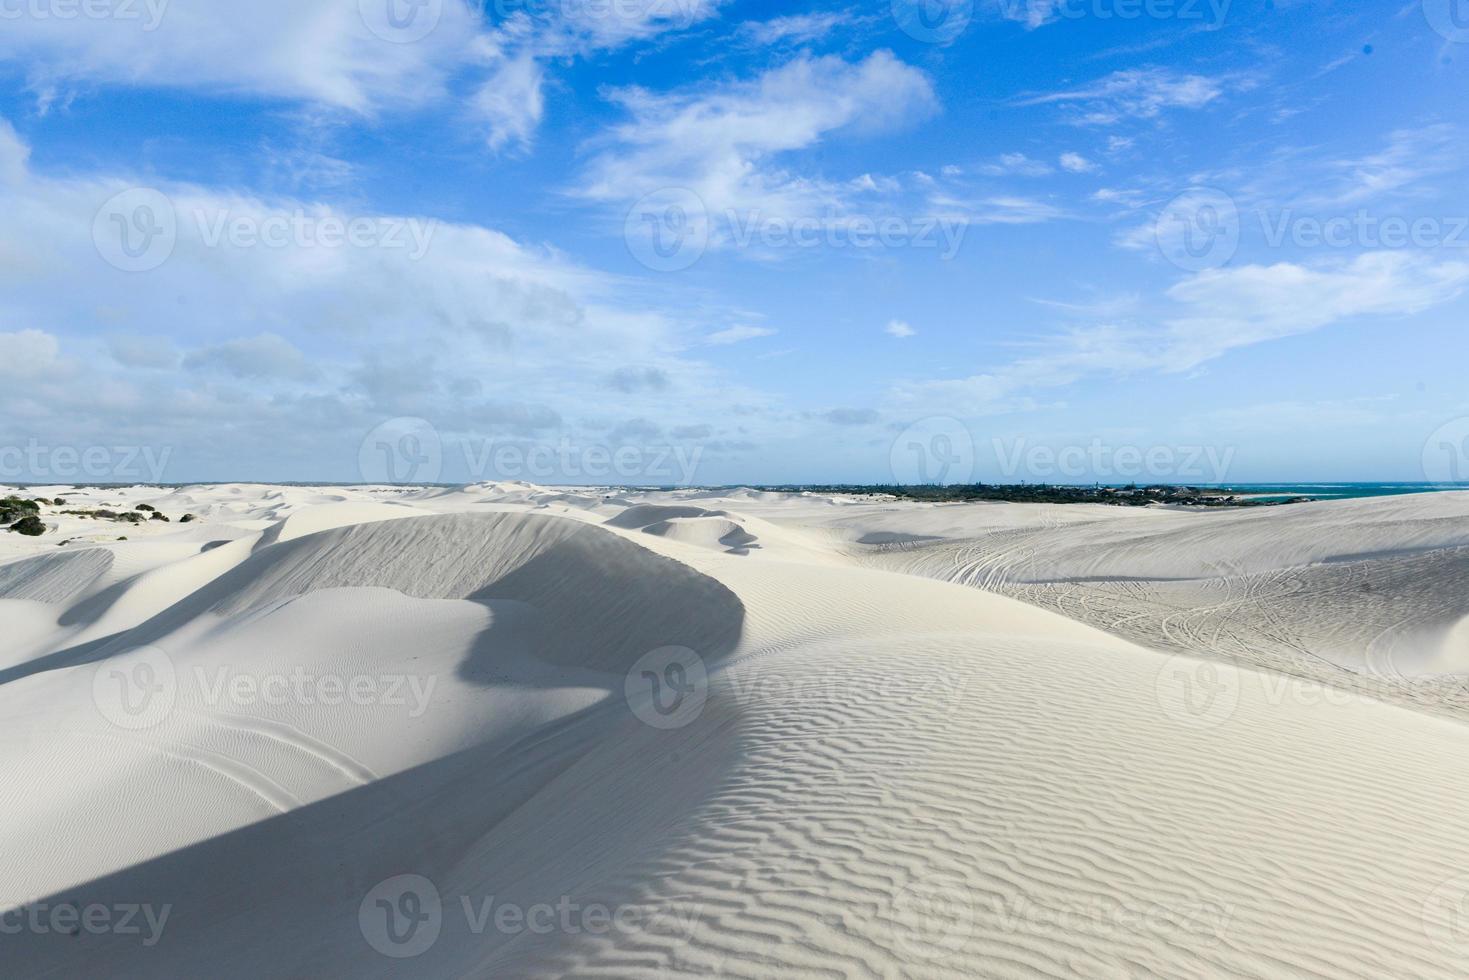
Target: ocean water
1339,491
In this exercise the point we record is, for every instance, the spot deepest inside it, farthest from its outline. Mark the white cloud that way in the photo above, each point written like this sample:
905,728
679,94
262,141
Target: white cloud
1139,93
899,329
26,353
725,143
1031,13
511,101
795,29
1222,310
265,356
1076,163
343,55
14,154
1016,164
1248,305
735,335
480,331
317,51
1408,158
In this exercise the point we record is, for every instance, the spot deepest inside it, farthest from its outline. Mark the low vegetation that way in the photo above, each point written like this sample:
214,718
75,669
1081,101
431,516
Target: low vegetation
1042,493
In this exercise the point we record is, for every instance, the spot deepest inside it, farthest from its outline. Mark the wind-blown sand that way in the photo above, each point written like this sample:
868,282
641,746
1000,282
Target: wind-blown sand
509,731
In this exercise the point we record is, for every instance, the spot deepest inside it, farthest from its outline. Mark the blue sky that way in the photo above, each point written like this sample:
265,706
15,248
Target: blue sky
733,241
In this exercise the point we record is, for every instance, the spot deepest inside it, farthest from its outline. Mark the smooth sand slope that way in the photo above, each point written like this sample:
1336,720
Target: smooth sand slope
510,731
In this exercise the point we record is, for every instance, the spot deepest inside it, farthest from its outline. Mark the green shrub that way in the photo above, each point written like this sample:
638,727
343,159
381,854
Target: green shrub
31,526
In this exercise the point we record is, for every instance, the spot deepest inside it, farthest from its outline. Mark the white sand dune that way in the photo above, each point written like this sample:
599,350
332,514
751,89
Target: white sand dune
515,731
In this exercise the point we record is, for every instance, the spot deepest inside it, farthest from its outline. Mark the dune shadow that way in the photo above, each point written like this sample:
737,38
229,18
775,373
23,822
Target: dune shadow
282,896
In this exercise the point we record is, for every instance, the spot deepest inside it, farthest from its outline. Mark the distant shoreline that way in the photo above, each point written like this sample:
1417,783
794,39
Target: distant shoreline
1198,495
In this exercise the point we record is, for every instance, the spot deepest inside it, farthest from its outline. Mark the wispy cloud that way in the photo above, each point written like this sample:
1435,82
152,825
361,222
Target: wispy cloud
1139,93
729,144
1214,312
735,335
796,28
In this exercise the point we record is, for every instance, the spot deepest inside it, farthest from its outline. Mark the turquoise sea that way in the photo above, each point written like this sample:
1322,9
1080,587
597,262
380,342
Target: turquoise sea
1339,491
